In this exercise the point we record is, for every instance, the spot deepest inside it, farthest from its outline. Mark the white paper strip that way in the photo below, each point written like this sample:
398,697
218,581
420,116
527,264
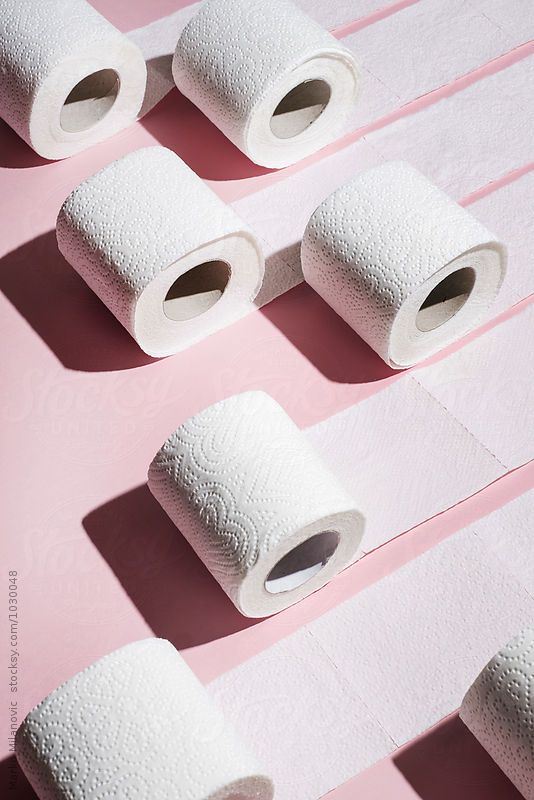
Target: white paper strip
473,137
279,213
488,386
515,18
509,534
308,727
395,51
395,659
508,213
403,457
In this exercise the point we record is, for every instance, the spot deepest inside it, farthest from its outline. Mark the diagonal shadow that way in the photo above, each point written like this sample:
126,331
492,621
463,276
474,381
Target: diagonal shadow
15,153
163,576
179,125
448,762
14,782
62,309
324,338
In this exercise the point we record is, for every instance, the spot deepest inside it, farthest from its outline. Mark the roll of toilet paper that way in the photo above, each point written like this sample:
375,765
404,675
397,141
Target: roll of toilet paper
498,709
256,503
404,265
137,723
277,84
164,253
68,78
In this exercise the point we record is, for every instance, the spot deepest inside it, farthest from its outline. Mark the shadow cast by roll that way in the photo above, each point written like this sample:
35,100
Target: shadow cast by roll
163,576
14,782
321,335
179,125
62,309
448,762
15,153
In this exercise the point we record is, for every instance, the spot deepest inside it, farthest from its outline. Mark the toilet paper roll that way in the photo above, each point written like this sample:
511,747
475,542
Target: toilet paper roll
137,723
161,250
405,266
498,709
256,503
68,78
277,84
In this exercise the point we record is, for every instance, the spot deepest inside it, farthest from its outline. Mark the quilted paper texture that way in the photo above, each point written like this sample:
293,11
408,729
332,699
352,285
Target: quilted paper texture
280,212
49,48
499,710
377,239
237,479
227,69
119,247
135,724
32,43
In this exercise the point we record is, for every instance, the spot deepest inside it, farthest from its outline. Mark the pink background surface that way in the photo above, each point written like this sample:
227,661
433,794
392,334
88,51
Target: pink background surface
84,410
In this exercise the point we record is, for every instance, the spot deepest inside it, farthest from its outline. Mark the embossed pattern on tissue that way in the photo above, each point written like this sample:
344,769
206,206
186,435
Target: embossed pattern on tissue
499,710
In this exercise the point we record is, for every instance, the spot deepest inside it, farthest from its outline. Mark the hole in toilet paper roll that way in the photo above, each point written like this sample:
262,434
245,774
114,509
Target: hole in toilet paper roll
89,101
302,563
446,299
196,290
300,108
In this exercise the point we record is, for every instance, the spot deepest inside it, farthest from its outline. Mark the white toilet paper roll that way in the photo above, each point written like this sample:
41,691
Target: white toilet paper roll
277,84
68,78
498,709
256,503
164,253
136,723
404,265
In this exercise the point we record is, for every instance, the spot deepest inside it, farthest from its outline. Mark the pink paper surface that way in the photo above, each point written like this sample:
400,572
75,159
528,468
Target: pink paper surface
83,413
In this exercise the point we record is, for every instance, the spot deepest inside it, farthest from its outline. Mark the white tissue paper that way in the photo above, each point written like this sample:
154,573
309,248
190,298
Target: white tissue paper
405,266
508,212
397,658
136,723
306,722
394,468
167,256
256,503
507,532
467,138
277,84
488,386
499,710
68,78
